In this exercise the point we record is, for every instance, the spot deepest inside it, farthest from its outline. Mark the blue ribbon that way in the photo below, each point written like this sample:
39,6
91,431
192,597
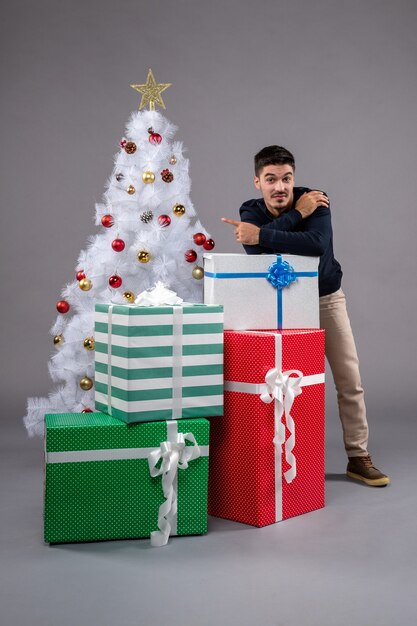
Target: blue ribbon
280,274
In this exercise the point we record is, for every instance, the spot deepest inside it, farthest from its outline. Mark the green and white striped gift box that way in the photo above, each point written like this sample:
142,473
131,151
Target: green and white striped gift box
160,362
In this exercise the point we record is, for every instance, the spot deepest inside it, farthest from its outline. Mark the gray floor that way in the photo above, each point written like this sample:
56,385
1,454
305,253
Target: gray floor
352,563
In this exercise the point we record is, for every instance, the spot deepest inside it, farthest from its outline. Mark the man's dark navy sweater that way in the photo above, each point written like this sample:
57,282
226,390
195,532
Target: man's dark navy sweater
290,233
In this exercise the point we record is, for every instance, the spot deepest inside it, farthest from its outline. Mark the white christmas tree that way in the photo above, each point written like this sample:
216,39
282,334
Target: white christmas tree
149,232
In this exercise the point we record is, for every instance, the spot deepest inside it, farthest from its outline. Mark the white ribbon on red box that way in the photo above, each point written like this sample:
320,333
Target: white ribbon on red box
281,388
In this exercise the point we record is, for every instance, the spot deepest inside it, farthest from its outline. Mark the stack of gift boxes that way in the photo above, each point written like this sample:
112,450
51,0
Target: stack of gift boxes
140,466
267,452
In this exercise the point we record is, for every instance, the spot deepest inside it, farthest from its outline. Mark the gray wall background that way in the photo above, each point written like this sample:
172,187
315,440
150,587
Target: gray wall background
333,81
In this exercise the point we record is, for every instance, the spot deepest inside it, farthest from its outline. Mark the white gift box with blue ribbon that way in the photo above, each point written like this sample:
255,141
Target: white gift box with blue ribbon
263,291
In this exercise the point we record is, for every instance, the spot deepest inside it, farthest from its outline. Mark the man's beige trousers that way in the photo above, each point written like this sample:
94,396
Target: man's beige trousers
343,360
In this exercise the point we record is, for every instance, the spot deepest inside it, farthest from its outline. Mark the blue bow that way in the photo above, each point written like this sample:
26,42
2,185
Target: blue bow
281,274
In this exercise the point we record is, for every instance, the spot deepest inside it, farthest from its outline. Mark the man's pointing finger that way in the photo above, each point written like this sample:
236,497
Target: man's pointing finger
233,222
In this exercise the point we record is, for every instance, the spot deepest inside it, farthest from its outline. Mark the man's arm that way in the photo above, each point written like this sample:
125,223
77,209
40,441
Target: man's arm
285,221
312,241
259,238
267,238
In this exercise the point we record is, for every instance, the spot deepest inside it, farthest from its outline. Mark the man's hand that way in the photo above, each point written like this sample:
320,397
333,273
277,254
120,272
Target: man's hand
247,234
309,201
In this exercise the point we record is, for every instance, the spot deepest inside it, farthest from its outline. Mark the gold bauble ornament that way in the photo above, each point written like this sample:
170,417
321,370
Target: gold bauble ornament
148,177
85,284
89,343
144,256
131,190
58,339
86,383
129,296
173,160
198,272
178,209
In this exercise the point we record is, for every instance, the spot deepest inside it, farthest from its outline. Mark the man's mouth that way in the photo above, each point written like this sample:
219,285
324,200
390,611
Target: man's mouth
280,195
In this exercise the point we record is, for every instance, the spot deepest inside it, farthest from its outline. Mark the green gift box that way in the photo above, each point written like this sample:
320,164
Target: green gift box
105,479
159,362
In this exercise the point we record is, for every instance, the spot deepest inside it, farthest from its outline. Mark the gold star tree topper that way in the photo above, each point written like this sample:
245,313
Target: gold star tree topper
151,92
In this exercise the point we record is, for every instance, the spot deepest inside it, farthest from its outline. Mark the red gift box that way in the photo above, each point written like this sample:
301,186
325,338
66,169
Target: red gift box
267,453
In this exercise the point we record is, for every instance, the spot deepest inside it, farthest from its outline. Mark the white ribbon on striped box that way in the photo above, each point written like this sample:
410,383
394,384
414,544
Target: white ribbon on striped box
281,388
177,322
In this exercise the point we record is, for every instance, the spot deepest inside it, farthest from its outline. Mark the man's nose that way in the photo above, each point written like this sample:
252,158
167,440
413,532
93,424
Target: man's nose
279,185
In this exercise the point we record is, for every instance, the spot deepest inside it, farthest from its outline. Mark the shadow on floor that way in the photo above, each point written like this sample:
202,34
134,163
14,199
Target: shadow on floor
336,477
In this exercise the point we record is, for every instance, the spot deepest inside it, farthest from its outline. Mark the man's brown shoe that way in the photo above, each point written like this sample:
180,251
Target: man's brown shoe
362,468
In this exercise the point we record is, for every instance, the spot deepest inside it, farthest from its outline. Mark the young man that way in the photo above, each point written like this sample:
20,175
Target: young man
297,220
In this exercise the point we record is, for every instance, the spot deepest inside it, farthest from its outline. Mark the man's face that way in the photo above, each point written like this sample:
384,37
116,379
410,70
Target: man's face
276,183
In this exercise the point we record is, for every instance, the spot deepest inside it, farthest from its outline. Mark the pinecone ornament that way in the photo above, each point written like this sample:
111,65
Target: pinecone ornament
130,147
146,217
167,176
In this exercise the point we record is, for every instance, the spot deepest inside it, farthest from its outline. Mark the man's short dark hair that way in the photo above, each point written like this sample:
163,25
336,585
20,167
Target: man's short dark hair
273,155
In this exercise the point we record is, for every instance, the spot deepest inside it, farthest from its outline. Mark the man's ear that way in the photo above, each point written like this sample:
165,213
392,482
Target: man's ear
256,182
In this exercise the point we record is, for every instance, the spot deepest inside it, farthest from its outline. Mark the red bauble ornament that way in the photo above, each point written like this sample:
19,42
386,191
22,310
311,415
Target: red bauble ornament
164,221
199,239
154,138
115,281
118,245
62,306
107,221
208,244
87,410
80,275
190,256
